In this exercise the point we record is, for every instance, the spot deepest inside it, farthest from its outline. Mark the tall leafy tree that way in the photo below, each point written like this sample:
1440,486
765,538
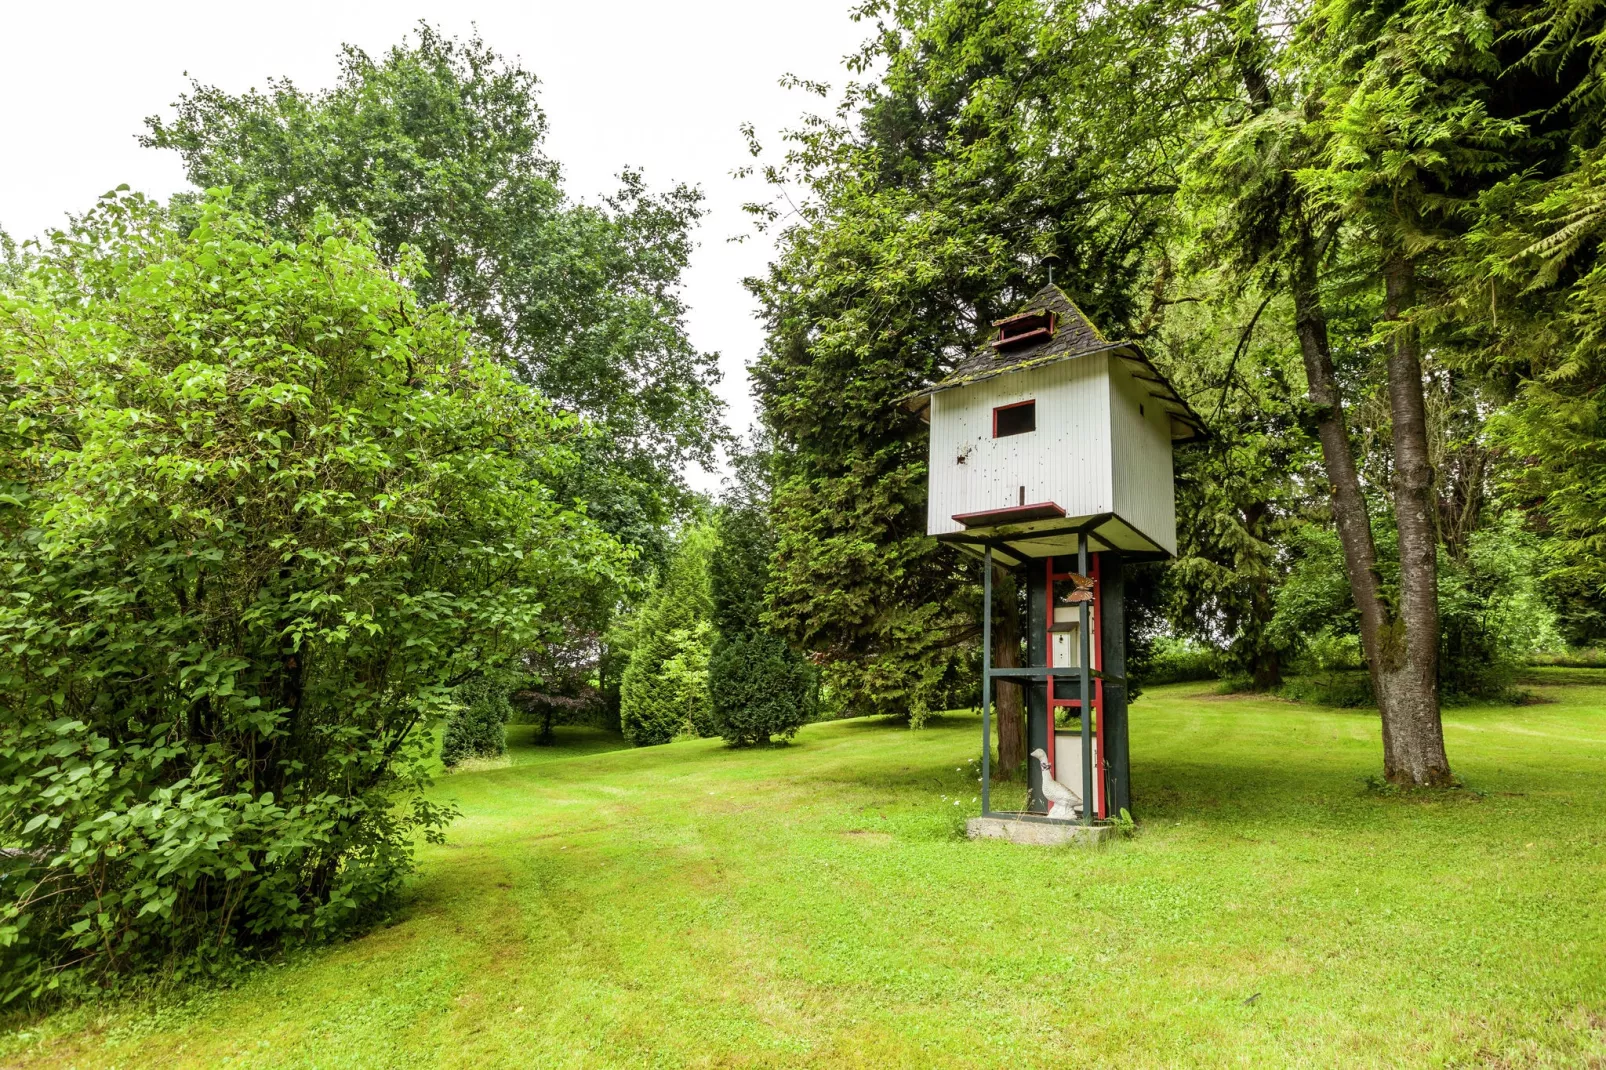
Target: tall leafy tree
1354,155
999,134
759,687
261,511
1243,492
438,143
1530,296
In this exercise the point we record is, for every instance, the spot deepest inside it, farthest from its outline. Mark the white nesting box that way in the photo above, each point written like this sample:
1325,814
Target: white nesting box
1049,431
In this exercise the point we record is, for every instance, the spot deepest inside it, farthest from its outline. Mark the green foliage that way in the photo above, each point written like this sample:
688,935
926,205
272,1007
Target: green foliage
1575,658
1494,611
1242,493
1175,661
438,143
1345,689
261,511
999,134
760,687
477,727
664,688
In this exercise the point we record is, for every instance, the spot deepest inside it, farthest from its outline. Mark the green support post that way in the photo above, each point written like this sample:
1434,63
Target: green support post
1112,633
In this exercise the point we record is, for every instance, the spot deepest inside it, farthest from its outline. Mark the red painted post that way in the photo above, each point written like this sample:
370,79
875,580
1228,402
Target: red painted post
1098,685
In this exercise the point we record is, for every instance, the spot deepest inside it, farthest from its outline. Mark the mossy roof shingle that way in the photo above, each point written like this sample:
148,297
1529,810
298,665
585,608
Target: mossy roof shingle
1075,336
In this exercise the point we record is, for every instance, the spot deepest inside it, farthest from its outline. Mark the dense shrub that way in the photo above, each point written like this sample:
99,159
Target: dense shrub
477,727
1574,658
1493,613
664,689
1345,688
760,689
1175,661
261,512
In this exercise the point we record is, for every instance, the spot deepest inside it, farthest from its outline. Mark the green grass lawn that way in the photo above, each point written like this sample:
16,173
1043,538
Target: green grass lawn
815,905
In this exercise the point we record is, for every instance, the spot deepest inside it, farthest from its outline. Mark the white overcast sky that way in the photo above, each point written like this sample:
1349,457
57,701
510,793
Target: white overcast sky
662,86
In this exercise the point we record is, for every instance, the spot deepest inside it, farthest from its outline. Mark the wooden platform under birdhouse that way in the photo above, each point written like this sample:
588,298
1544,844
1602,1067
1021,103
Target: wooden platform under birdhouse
1017,828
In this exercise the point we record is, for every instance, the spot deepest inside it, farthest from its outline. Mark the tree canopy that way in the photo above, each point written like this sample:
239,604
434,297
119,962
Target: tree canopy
261,509
437,143
1361,237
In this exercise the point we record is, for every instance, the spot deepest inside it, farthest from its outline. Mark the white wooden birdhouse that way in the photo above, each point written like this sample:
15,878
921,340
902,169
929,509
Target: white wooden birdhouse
1049,431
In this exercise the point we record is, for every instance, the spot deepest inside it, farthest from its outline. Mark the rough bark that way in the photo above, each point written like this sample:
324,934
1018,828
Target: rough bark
1338,458
1413,736
1404,671
1010,696
1267,672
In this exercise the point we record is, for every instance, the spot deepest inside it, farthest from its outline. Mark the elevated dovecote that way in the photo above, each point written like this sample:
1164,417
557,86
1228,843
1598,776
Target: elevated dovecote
1050,431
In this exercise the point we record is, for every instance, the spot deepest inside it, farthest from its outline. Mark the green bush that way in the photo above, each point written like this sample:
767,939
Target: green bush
1574,658
1175,661
259,510
663,692
761,689
477,728
1493,612
1346,689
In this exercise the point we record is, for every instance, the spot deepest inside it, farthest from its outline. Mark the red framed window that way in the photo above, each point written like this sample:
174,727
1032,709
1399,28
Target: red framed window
1017,419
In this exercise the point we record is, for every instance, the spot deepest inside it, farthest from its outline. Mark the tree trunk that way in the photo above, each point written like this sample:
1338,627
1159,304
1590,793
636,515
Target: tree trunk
1404,671
1268,670
1413,737
1349,502
1010,696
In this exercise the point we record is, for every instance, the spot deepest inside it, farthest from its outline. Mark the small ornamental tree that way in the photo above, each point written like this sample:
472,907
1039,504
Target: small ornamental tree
760,689
260,513
759,686
477,728
664,690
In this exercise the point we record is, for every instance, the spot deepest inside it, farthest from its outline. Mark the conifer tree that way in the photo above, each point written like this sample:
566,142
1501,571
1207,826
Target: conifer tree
664,691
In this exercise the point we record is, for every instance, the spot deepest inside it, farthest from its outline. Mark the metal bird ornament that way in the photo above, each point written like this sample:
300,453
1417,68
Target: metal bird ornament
1081,590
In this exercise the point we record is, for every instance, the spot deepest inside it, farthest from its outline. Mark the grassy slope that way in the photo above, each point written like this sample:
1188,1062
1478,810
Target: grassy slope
691,905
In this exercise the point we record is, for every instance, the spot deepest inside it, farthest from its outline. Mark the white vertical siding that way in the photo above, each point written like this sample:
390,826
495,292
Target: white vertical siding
1102,445
1145,495
1065,461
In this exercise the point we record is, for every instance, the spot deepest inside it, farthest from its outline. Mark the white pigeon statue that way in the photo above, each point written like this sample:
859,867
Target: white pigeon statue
1062,801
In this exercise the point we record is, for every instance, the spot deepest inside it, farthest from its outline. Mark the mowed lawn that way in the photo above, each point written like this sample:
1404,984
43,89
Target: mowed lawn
815,905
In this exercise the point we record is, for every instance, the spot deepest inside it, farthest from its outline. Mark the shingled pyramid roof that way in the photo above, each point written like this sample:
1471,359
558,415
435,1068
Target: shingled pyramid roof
1073,336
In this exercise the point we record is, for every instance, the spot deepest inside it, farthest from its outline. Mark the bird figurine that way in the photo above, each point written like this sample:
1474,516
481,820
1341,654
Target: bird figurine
1062,801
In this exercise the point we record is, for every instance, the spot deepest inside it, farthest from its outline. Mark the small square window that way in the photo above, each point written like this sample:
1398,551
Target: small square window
1017,419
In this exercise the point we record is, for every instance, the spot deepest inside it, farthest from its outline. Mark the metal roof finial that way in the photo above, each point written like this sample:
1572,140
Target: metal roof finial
1051,259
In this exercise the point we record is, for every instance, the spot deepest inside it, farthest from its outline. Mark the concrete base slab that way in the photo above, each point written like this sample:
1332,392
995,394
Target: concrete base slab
1036,833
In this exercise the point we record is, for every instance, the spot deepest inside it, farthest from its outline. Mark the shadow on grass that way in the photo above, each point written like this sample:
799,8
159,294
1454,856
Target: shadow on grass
886,723
525,745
